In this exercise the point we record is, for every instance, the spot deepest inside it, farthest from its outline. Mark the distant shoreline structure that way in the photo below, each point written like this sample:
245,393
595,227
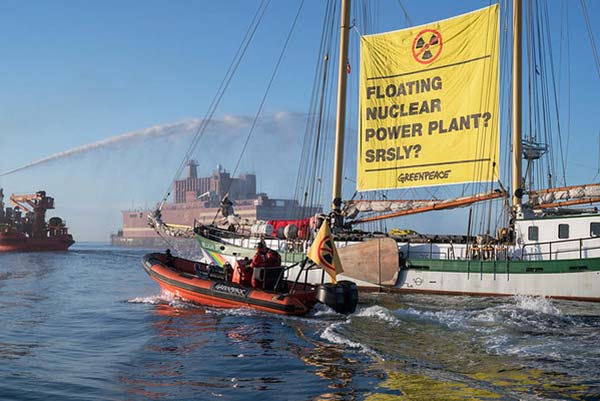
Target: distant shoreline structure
198,200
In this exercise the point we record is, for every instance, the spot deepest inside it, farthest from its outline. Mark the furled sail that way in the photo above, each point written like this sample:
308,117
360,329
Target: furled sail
429,104
395,208
565,196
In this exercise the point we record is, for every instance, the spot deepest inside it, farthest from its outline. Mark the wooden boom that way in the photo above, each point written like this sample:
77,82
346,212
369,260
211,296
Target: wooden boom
444,204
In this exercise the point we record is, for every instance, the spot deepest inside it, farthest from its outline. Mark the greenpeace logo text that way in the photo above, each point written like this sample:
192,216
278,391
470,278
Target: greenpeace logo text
424,176
240,292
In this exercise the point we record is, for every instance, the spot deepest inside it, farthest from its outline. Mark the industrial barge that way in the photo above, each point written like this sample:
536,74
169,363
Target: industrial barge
23,226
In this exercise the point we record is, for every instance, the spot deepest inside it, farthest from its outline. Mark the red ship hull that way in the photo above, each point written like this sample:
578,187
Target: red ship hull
19,242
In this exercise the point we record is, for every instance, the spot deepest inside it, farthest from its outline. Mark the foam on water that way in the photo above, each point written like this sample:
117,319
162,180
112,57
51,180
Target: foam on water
152,300
333,335
524,326
379,312
245,312
165,297
521,312
322,310
525,312
537,304
451,318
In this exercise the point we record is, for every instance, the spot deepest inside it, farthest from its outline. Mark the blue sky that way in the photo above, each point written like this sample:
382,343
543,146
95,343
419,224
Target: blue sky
78,72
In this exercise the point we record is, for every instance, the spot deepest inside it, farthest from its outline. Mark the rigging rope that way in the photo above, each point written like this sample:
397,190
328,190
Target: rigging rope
264,98
308,181
563,153
591,35
258,16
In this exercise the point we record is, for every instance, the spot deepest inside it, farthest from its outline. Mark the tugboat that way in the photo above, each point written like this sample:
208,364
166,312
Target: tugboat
23,227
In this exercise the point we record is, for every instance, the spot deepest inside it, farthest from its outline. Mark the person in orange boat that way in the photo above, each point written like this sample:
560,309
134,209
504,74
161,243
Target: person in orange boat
260,258
265,257
169,256
273,258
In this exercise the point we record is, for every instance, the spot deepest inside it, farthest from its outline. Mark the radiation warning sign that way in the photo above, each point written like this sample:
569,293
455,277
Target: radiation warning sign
427,46
429,104
323,252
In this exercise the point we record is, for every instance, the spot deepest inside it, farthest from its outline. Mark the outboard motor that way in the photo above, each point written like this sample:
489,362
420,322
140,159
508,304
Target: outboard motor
350,295
341,297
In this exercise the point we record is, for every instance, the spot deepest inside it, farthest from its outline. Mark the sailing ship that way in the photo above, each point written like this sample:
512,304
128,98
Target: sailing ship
429,116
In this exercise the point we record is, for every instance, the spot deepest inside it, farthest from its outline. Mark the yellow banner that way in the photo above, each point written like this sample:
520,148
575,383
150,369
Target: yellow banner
429,104
323,252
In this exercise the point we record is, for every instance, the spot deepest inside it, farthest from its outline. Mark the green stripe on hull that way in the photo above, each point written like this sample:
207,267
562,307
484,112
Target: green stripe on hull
506,266
225,249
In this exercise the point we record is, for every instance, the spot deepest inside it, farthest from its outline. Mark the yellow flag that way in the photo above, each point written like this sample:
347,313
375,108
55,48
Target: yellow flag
429,104
323,252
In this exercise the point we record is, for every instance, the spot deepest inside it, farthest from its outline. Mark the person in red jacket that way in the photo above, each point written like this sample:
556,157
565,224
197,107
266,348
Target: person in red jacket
260,258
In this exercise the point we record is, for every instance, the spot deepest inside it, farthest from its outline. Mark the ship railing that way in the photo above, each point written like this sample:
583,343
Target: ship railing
550,250
428,253
562,249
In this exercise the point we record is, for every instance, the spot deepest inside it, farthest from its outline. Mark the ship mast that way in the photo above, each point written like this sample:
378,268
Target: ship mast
517,179
341,114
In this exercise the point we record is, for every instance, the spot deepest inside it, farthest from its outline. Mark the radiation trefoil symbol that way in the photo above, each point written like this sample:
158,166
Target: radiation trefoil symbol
326,253
427,46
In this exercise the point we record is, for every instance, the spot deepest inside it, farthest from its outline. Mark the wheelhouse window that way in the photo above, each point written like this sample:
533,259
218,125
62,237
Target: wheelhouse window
594,229
533,233
563,231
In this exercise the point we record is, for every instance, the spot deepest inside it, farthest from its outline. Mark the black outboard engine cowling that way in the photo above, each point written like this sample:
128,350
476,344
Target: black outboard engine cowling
341,297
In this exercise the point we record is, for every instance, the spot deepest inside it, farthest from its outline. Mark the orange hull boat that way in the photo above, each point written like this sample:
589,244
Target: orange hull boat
194,282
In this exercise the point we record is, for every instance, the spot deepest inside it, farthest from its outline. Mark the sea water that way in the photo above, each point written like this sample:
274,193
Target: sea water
89,324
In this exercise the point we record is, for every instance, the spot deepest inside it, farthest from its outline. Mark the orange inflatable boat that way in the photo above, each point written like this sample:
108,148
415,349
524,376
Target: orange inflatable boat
262,288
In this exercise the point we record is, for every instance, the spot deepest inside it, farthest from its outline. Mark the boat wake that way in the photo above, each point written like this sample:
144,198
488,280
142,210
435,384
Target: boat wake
323,311
164,298
245,312
536,304
341,332
529,328
379,313
520,314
